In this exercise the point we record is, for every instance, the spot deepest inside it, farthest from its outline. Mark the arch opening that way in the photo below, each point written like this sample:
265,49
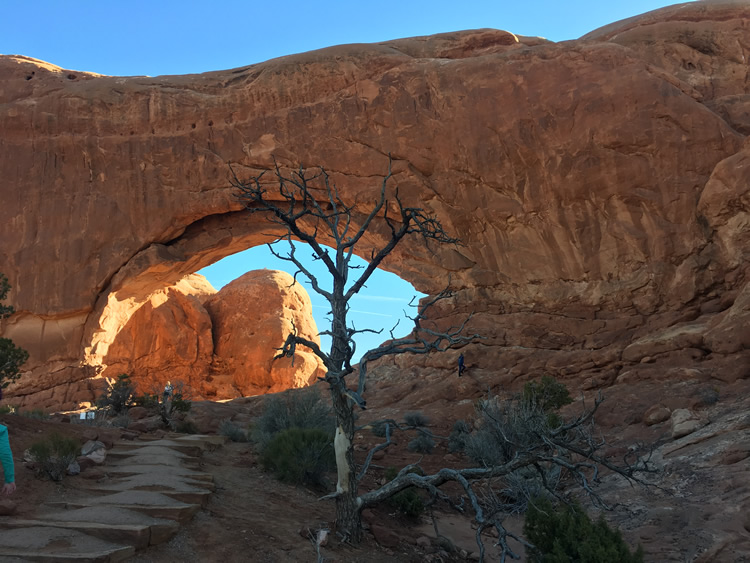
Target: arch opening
136,328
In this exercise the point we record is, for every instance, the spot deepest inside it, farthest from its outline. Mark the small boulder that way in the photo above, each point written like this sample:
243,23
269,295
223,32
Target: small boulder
92,446
95,451
656,414
137,413
684,422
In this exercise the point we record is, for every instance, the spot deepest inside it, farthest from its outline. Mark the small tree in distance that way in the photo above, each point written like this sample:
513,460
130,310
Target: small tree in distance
308,207
11,356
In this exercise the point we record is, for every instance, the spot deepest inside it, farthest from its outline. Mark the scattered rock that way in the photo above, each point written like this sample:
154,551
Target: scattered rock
684,422
656,414
137,413
92,446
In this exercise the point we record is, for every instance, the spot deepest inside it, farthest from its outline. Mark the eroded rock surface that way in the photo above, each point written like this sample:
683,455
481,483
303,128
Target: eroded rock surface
599,187
219,345
252,317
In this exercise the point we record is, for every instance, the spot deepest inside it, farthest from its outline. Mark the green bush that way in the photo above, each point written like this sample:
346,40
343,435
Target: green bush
186,427
53,454
298,408
458,436
232,431
422,444
11,356
549,394
416,419
11,359
118,395
301,456
378,428
566,533
408,502
149,401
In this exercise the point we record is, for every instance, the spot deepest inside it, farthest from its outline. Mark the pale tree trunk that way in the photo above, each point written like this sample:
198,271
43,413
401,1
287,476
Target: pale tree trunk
348,512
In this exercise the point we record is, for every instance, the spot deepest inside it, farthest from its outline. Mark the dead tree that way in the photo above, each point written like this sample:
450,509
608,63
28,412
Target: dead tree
309,209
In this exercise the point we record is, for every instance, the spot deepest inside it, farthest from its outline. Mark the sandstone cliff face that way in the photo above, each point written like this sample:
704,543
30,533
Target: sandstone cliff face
599,186
220,345
166,339
252,317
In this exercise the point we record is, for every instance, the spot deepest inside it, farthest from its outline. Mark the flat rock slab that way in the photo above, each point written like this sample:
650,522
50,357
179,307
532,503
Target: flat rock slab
144,481
126,469
157,530
151,459
43,543
153,449
204,441
154,504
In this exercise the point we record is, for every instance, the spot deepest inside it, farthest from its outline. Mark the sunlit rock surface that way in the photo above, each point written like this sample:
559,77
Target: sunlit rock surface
252,317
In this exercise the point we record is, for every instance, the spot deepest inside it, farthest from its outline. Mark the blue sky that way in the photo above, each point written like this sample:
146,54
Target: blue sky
156,37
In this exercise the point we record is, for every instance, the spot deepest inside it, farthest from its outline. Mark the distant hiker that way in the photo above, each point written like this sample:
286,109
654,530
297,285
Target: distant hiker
461,366
168,391
6,458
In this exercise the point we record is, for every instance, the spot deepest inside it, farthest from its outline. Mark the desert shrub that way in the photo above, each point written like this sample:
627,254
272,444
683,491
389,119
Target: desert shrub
378,428
148,401
232,431
11,359
548,393
409,501
120,421
185,427
416,419
299,408
9,409
458,436
11,356
422,444
180,404
37,414
708,395
118,395
566,533
301,456
505,427
53,454
516,490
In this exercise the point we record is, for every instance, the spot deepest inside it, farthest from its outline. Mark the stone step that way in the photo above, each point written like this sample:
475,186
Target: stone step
206,441
58,545
160,529
187,452
152,503
127,470
198,497
153,459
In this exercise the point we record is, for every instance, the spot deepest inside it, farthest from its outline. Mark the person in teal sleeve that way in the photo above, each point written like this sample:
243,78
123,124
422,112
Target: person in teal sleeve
6,458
